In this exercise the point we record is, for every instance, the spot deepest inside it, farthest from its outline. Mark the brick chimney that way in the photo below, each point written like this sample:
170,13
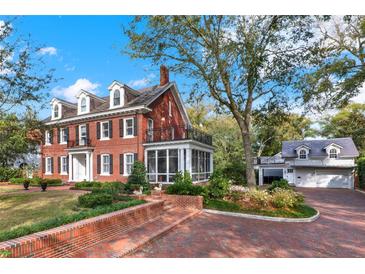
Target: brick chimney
164,75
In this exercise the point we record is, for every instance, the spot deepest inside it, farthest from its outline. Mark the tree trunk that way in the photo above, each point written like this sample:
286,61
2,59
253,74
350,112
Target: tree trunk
250,173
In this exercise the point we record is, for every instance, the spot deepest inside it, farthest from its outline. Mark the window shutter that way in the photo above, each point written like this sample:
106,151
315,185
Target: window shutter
110,129
67,131
98,130
121,128
44,165
135,125
121,166
44,136
59,164
51,135
98,164
111,163
77,135
67,160
52,169
87,132
58,135
135,157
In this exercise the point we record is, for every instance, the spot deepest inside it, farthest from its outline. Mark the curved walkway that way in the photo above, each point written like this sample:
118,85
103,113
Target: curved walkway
339,232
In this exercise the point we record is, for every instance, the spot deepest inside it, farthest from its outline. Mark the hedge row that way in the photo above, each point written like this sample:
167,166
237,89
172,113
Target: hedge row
6,173
361,172
36,181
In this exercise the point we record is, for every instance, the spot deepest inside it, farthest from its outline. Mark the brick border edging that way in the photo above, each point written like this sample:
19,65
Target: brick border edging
265,218
360,190
26,245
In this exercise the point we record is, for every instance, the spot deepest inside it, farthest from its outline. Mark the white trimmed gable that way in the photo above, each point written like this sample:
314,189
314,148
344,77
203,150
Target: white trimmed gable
331,147
300,151
56,109
83,102
116,89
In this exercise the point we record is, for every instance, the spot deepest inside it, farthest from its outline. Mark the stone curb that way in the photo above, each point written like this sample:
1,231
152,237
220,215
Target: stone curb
155,236
265,218
359,190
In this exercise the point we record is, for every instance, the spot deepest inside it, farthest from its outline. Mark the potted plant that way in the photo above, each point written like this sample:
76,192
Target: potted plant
43,185
26,184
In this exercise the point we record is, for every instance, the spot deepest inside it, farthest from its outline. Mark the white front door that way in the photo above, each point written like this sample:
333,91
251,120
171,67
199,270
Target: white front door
79,167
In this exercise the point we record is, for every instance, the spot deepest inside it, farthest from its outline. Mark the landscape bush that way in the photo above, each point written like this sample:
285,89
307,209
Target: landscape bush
183,185
138,178
361,171
286,198
258,198
282,183
66,219
6,173
218,186
92,200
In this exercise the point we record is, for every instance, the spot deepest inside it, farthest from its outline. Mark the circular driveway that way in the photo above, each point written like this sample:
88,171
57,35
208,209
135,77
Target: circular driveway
339,232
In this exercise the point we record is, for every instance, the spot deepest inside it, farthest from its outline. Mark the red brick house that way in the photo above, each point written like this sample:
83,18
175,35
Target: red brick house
99,138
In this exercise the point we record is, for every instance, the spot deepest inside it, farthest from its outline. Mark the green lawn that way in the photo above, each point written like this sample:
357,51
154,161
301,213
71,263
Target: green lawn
20,209
302,211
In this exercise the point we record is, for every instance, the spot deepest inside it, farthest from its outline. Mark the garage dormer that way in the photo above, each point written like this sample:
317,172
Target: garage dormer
333,150
56,109
302,152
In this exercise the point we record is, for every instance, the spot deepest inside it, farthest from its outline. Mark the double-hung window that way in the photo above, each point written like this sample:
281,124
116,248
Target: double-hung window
64,165
48,165
129,127
105,164
83,134
303,154
63,136
104,130
48,137
333,153
128,160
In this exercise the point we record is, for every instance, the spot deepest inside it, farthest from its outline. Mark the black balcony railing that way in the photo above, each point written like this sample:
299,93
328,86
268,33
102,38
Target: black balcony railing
175,133
83,142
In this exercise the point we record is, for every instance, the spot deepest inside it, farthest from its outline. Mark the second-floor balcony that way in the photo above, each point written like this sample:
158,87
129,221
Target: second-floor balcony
82,142
265,160
176,133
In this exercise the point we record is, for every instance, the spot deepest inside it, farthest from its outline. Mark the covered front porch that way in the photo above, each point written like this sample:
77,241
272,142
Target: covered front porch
163,160
80,165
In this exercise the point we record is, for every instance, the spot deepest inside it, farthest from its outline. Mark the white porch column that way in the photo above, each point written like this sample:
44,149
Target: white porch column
181,160
261,177
211,162
188,160
70,171
88,166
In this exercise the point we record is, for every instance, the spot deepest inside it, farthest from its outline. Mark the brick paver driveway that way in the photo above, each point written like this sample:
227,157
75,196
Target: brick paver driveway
339,232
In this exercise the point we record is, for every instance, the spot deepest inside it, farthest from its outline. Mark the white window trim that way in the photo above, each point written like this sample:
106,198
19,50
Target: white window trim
306,154
125,163
125,128
80,136
101,131
47,143
59,111
329,153
102,173
150,130
61,135
121,100
48,172
62,158
87,98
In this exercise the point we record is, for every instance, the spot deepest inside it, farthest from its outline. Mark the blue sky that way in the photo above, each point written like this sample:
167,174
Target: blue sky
86,53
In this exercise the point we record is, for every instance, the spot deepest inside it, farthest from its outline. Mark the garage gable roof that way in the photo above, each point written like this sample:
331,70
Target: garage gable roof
317,147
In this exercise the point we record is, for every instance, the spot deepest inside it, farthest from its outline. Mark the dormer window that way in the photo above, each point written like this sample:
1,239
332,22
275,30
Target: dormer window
116,98
333,153
83,105
55,111
302,154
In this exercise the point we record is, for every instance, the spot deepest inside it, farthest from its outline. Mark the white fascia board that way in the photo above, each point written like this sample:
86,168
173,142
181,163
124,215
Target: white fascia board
95,115
176,143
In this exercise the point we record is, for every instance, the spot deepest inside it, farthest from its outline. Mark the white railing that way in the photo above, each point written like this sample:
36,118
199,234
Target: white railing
324,162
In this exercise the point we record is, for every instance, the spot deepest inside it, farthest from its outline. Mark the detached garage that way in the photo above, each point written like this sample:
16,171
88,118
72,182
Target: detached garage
324,177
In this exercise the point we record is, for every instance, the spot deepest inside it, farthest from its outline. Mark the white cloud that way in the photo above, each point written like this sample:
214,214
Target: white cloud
360,98
69,93
48,51
69,68
140,83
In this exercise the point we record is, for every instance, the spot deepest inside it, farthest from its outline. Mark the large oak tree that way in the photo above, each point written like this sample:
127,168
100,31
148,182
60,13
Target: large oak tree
242,62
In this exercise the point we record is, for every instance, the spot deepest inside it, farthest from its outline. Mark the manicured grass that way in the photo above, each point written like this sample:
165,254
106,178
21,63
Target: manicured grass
33,212
9,188
301,211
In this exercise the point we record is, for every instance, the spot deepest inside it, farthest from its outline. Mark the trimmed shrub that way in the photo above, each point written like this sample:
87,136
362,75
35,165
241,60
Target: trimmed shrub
92,200
218,186
138,178
286,198
36,181
282,183
113,188
235,171
6,173
361,171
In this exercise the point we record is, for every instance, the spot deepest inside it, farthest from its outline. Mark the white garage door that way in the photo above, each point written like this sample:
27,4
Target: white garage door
327,178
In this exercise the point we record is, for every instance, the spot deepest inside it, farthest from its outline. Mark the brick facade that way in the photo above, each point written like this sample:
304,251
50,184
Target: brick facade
116,145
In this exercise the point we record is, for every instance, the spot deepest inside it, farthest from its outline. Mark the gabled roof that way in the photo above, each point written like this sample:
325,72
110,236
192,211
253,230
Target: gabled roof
63,102
302,146
318,147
